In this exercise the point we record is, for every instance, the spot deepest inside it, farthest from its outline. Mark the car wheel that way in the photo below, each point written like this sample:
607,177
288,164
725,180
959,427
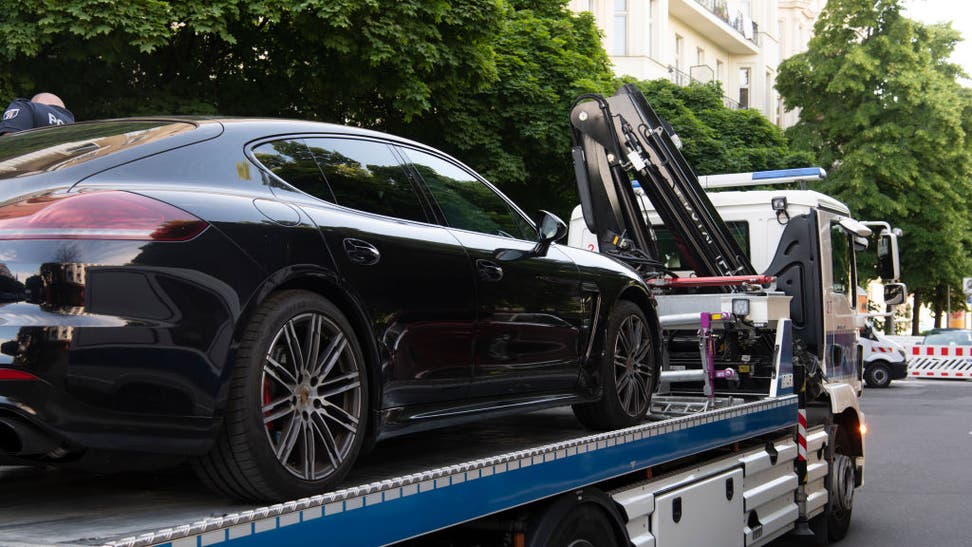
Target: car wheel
297,410
877,375
628,372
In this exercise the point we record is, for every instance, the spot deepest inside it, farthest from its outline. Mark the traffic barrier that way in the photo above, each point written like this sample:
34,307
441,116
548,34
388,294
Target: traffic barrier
949,362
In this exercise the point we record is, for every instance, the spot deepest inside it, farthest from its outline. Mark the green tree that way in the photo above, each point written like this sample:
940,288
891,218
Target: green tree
881,109
717,139
358,61
490,81
515,131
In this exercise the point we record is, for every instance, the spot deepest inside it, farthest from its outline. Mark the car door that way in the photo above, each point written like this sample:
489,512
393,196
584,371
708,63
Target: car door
411,276
530,310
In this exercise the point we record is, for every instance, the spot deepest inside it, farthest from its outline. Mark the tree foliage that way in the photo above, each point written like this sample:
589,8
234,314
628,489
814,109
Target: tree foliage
357,61
490,81
717,139
516,131
881,108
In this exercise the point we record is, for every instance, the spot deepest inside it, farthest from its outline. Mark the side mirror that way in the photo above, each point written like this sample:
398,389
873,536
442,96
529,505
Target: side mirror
549,230
895,294
860,244
887,256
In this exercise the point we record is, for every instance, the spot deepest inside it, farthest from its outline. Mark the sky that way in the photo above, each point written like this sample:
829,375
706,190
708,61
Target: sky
940,11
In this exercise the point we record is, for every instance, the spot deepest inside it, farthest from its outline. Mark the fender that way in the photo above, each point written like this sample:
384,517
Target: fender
847,414
842,397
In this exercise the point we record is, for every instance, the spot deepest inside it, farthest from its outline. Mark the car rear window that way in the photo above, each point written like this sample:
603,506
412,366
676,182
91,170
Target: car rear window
33,152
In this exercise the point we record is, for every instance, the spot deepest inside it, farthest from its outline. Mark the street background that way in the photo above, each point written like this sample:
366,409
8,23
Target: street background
918,472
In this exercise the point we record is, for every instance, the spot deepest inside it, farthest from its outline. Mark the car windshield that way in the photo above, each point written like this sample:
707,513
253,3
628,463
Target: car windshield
944,338
54,148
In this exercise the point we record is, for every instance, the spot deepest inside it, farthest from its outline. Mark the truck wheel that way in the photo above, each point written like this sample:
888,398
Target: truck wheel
628,372
575,520
297,410
877,374
841,488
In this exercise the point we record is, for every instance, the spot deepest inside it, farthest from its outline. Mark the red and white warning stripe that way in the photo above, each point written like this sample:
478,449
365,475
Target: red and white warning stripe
940,362
802,434
941,351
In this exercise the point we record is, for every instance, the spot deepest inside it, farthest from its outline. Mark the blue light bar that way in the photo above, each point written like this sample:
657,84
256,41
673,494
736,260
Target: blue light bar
777,176
803,173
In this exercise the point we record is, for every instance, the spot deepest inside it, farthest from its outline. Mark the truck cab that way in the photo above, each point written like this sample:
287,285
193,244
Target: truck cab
807,240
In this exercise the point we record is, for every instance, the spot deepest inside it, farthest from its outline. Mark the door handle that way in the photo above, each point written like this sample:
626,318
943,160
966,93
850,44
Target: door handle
361,252
489,271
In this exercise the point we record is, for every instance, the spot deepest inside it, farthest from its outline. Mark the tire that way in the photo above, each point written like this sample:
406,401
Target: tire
296,414
576,520
877,374
841,489
627,372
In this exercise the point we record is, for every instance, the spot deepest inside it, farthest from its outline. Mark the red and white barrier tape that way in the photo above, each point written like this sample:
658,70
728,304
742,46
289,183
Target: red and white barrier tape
951,362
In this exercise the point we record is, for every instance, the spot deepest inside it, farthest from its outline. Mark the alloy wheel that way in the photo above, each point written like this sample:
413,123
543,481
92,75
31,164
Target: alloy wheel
312,396
633,365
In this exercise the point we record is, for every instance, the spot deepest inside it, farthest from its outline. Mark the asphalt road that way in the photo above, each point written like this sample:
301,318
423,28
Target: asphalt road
918,474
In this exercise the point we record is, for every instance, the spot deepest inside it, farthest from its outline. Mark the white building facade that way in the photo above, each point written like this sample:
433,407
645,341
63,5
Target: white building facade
739,43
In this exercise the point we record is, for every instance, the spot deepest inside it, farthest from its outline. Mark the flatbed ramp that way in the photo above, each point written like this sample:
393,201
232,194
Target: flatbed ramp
407,487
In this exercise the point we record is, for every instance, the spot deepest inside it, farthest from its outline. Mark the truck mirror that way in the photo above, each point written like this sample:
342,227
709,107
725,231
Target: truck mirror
895,294
860,244
887,256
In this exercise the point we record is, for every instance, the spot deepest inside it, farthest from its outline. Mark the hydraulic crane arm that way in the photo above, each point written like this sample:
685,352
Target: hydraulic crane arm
619,139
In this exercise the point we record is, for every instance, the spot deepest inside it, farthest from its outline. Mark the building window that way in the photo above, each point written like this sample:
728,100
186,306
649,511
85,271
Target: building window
720,71
699,56
586,5
679,50
619,38
769,93
744,79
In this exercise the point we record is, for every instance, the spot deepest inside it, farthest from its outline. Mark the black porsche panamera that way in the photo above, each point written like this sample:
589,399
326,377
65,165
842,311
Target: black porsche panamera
269,298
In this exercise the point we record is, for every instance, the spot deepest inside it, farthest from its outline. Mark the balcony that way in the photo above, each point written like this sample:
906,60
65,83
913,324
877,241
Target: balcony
711,18
700,74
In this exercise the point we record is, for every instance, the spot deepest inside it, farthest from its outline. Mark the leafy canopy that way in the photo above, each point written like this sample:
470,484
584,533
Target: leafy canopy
490,81
882,110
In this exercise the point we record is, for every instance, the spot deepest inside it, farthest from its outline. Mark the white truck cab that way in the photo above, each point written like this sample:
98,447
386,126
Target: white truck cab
758,220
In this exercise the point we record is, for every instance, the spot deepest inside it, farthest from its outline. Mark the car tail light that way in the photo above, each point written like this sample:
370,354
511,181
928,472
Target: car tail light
97,215
12,374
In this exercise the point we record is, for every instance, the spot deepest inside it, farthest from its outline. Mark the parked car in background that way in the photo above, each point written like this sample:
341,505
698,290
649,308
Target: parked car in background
269,298
945,337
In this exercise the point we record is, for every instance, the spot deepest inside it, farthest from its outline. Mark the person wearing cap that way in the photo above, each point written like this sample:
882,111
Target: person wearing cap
41,110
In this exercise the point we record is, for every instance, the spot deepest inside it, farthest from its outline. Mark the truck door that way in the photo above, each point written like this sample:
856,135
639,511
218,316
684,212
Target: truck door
530,311
839,277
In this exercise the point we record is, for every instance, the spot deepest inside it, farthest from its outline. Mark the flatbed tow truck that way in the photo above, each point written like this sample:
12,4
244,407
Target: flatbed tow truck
754,431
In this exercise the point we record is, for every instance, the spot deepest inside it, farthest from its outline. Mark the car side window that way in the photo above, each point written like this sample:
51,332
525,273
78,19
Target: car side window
466,202
366,175
293,162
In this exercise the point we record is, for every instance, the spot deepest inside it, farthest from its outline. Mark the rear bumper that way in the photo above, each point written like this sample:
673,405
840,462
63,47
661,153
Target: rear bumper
123,355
